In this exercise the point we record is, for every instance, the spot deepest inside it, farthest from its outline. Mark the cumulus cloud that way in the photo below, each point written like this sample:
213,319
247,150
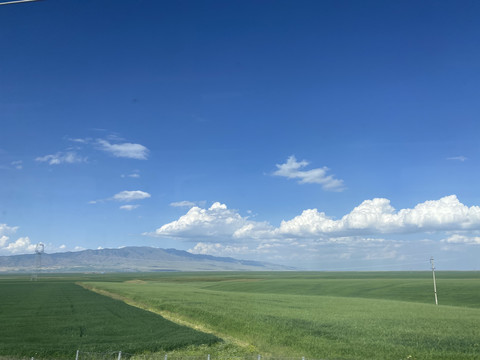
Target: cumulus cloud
129,207
127,196
124,150
292,169
69,157
20,246
216,222
378,216
374,231
370,218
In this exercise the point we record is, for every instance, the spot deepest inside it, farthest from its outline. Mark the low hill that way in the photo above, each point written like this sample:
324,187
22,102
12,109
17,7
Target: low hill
129,259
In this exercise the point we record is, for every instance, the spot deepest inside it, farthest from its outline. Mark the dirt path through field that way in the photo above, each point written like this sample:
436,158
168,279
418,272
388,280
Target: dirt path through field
166,314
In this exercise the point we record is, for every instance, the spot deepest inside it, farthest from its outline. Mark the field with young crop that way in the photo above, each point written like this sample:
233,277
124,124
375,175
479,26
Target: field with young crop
318,315
322,315
53,317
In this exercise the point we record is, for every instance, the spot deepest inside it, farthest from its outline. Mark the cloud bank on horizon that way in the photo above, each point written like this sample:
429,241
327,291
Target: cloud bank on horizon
371,217
371,225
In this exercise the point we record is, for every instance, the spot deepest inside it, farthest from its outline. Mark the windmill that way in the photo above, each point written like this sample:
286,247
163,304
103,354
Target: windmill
39,249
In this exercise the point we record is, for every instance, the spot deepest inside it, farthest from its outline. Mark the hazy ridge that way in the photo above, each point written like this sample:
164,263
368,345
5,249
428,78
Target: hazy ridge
127,259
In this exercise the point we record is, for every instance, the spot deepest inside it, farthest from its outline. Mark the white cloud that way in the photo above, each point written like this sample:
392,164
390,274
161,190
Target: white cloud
371,217
22,245
3,240
69,157
292,170
129,207
127,196
370,234
213,223
462,239
183,204
124,150
378,216
80,141
5,229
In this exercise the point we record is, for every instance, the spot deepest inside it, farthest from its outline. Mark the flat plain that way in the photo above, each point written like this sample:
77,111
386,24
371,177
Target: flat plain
318,315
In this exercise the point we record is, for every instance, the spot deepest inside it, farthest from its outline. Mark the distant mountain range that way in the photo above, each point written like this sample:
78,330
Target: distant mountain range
130,259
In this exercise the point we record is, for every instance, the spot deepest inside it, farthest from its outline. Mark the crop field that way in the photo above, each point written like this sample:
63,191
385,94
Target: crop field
371,315
324,315
52,319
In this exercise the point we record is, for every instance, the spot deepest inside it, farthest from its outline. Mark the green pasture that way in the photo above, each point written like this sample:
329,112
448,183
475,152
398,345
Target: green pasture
324,315
318,315
52,318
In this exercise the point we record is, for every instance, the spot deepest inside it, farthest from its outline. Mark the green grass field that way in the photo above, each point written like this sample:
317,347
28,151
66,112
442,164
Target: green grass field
371,315
324,315
52,319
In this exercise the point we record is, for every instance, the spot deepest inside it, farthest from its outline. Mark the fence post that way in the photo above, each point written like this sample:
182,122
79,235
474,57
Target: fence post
166,356
259,357
119,355
77,354
208,357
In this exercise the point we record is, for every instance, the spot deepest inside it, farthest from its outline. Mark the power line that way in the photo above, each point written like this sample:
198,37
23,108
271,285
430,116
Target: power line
16,2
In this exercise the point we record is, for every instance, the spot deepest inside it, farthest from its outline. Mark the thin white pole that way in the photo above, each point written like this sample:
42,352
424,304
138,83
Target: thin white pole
434,281
78,353
119,355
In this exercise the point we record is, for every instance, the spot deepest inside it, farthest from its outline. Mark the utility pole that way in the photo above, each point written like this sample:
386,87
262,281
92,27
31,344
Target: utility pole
434,282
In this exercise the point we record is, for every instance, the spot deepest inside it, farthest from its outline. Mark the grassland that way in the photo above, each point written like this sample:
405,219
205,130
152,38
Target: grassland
323,315
51,318
285,314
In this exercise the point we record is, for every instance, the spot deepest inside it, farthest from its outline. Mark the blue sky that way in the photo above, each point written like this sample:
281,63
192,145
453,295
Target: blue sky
329,135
